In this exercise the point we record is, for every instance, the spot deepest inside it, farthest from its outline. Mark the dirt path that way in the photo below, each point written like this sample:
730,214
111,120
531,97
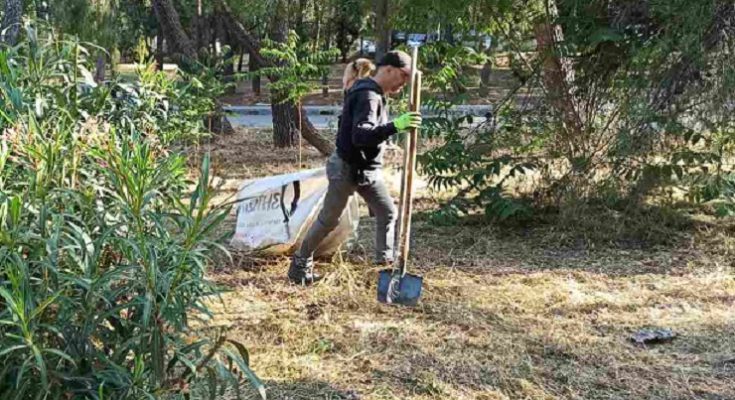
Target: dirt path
506,313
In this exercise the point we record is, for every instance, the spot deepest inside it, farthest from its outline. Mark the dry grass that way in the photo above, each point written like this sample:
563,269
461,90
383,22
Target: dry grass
507,313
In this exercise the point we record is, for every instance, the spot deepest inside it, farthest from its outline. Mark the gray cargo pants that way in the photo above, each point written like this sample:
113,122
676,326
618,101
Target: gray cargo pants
342,185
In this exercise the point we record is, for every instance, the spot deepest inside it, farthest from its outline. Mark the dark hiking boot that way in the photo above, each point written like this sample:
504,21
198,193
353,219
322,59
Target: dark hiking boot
301,271
383,262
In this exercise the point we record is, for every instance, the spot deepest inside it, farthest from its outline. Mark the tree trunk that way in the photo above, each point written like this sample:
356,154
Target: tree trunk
219,122
205,33
300,26
687,72
287,114
199,26
168,20
313,137
342,39
558,77
11,22
325,85
213,34
159,51
241,35
485,74
228,55
318,23
219,33
284,128
99,74
252,67
382,28
170,24
248,42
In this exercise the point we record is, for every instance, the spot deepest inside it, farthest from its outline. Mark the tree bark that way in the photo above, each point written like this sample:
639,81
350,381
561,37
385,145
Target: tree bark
170,24
284,130
219,122
159,51
318,23
485,75
241,35
313,137
300,27
558,76
449,34
287,114
199,26
382,28
243,38
255,82
11,22
99,73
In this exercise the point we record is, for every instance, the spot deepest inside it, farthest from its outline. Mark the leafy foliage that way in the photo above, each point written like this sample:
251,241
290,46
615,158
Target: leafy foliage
103,252
296,67
632,101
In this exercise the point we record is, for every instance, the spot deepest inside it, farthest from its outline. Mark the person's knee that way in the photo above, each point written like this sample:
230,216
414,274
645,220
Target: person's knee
329,218
387,212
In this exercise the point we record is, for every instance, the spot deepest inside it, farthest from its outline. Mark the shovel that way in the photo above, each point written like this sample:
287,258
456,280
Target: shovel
396,286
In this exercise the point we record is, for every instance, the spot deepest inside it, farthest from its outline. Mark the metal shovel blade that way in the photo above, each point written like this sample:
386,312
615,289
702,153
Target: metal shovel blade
394,289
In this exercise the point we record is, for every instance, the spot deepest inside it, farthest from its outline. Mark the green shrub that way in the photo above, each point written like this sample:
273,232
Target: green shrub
103,249
631,103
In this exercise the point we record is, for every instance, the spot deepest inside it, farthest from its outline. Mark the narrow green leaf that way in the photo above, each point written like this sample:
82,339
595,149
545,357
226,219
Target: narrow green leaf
12,349
254,380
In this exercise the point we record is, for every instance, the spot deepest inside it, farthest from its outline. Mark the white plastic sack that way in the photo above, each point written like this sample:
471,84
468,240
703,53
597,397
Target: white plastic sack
274,213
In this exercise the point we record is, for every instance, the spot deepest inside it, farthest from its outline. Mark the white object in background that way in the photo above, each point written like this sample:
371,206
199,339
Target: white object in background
274,214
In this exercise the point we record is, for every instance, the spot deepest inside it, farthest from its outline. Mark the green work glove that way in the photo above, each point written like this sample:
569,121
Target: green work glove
407,121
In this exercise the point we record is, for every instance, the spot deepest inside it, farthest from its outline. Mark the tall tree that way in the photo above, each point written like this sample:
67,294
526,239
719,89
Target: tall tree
558,75
284,119
199,26
382,28
11,21
243,38
171,27
300,14
170,24
348,20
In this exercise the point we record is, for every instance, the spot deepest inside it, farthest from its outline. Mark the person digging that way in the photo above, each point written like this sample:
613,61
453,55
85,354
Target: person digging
357,164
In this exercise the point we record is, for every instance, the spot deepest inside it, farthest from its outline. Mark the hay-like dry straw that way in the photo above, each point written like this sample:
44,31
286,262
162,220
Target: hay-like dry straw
507,313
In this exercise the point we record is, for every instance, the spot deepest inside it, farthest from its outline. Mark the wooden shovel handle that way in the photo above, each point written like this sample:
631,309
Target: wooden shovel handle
410,174
409,168
406,164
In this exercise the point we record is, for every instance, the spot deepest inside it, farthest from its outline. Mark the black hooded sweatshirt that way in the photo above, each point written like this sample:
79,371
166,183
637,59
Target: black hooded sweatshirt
364,126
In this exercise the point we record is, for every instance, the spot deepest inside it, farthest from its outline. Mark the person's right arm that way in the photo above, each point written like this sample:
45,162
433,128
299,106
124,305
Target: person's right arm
366,129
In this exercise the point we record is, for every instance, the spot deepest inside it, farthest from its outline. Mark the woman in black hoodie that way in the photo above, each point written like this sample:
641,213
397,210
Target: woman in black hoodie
356,70
357,164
